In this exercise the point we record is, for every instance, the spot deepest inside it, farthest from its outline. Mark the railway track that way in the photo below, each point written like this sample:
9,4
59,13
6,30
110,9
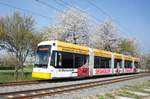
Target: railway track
67,88
18,83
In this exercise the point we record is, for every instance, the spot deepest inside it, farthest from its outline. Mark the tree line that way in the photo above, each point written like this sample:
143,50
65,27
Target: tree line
19,37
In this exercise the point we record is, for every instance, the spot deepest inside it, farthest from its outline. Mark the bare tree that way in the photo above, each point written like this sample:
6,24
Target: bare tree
105,37
17,36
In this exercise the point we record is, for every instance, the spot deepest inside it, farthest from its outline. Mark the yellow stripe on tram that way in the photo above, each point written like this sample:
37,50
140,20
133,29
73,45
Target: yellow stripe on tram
42,75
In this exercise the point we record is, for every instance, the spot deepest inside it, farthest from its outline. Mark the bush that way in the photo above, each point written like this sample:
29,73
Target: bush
145,62
8,62
7,68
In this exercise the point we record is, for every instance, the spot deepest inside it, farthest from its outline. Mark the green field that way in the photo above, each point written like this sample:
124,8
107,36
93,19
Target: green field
8,75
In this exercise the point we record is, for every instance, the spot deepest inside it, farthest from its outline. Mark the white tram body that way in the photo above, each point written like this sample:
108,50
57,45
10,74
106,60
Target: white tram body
56,59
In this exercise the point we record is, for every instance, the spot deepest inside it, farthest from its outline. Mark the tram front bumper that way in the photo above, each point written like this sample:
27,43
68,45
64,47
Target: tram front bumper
42,75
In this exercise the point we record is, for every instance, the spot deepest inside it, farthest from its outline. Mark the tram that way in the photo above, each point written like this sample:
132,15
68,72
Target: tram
57,59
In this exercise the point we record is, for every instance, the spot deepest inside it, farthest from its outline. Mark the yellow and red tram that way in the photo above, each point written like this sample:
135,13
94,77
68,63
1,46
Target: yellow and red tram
56,59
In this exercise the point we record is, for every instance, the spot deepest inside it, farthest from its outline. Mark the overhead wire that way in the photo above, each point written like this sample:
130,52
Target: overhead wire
65,5
48,5
24,10
108,15
94,19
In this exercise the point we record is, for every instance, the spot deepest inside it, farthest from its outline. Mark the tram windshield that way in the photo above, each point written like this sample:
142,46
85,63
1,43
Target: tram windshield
42,56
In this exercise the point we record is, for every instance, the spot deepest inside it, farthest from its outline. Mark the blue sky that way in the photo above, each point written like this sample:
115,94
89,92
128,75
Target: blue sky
133,15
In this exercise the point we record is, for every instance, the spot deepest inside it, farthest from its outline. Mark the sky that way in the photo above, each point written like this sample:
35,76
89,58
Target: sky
131,17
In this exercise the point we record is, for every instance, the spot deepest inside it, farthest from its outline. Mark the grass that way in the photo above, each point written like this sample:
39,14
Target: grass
8,75
125,93
102,97
139,88
109,96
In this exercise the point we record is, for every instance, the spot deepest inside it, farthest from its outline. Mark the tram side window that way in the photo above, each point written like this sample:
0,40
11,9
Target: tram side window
117,62
97,62
105,62
80,60
128,64
136,64
56,59
67,60
62,60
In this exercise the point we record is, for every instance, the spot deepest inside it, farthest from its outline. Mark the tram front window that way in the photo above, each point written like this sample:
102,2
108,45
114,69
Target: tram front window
42,56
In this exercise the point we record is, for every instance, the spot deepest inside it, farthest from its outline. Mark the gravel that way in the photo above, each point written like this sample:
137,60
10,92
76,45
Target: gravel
97,90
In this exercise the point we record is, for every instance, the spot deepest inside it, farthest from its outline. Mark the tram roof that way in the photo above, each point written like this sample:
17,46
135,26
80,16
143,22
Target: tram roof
69,47
63,46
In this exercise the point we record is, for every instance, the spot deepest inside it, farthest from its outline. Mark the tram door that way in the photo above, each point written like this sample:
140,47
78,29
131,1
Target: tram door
91,61
122,65
118,66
